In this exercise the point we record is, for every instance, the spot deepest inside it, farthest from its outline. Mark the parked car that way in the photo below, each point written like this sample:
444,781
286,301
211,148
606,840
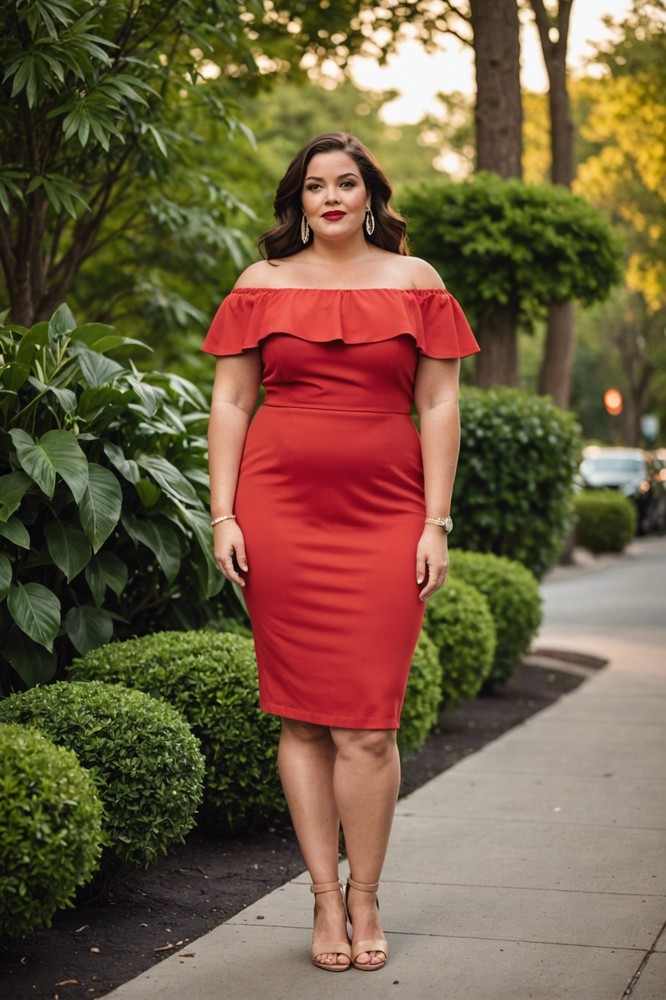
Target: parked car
632,472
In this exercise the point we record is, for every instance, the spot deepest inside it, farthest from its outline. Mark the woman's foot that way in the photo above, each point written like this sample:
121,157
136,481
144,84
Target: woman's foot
330,945
369,947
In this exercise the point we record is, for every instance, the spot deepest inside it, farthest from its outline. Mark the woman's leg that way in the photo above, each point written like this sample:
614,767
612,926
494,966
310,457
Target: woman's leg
306,759
366,785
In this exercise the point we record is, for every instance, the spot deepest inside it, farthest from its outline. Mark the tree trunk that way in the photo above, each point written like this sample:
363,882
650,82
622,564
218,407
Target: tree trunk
499,109
497,363
559,350
558,355
499,148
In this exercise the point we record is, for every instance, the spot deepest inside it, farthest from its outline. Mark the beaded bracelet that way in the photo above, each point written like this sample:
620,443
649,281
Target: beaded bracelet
225,517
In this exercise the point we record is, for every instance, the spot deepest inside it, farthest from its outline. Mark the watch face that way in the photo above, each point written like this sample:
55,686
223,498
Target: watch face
448,525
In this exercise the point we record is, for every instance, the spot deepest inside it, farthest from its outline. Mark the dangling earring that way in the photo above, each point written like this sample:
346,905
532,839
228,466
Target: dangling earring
305,229
369,222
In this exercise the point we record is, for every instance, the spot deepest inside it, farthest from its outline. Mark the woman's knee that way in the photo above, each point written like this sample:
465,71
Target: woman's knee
369,743
304,732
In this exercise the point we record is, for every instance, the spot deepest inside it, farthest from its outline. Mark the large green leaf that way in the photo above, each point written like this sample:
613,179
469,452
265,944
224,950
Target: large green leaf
100,505
5,575
106,570
97,369
62,321
160,538
212,580
15,531
101,338
33,663
13,487
56,452
127,467
36,611
68,547
169,478
88,628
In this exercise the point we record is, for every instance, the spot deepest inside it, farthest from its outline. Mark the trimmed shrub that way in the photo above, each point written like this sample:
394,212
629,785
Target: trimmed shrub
606,521
50,829
512,492
513,597
422,697
143,758
459,622
211,677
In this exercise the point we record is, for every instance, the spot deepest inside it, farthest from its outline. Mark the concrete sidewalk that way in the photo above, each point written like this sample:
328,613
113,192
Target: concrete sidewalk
535,868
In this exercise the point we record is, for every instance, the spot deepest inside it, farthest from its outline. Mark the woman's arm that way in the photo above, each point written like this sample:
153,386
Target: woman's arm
237,380
436,401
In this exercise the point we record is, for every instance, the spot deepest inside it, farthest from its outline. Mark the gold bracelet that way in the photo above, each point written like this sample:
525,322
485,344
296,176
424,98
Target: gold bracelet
441,522
225,517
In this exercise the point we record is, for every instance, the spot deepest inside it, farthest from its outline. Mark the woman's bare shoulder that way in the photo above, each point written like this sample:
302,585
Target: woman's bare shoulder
421,274
265,274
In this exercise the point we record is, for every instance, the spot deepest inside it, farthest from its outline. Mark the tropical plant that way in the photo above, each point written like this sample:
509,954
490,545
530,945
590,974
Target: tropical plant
513,486
145,762
50,829
103,495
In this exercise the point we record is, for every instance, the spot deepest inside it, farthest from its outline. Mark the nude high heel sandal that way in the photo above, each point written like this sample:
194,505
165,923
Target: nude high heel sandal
329,947
379,944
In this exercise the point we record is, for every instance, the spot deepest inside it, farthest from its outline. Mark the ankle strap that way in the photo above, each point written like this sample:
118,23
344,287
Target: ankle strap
326,887
363,886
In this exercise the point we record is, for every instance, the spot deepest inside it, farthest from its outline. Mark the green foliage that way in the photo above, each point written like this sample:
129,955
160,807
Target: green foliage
513,597
460,624
145,762
212,679
422,696
503,242
103,496
605,520
518,457
50,829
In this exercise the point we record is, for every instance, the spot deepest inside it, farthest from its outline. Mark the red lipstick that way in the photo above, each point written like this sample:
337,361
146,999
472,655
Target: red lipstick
334,215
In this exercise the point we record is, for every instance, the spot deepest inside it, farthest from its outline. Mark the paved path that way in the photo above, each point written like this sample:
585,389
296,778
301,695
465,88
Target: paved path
535,868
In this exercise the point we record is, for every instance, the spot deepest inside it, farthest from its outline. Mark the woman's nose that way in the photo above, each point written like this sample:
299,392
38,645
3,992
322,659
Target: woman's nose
332,196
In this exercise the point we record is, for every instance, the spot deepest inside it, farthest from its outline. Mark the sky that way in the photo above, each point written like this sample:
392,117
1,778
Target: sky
419,76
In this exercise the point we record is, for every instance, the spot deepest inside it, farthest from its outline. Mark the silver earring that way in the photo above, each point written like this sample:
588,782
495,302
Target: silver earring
305,229
369,222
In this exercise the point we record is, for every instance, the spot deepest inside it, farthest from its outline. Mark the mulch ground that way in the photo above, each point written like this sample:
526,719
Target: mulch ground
103,943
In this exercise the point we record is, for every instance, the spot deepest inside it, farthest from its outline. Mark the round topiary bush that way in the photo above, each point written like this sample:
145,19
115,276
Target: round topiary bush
211,677
606,521
423,696
50,829
513,597
144,760
518,456
460,624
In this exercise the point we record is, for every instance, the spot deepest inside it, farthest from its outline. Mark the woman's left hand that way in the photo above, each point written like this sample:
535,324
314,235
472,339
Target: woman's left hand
432,560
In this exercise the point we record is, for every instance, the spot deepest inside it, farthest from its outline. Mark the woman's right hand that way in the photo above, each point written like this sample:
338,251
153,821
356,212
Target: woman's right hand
228,542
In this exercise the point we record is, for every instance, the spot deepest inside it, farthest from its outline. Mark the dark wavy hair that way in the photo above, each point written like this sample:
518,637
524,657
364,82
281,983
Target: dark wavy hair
284,239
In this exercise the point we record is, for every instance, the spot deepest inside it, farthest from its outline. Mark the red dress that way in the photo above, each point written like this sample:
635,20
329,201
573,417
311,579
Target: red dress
330,492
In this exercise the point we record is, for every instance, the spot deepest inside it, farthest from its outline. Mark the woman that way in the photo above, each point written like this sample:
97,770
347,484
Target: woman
329,511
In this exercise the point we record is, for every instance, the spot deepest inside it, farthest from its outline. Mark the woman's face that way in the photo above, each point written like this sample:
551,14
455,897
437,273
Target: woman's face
334,196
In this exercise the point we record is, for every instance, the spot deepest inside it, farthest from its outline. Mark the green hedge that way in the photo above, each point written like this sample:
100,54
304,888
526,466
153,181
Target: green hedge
50,829
512,494
145,761
513,597
605,521
460,624
422,697
212,679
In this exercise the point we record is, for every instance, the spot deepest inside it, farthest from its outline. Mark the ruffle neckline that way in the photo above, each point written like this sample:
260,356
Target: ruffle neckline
431,316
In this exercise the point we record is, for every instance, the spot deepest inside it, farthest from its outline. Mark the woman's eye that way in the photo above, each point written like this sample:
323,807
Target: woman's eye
312,187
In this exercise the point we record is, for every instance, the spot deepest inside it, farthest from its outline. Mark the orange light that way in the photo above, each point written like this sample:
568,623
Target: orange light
613,401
